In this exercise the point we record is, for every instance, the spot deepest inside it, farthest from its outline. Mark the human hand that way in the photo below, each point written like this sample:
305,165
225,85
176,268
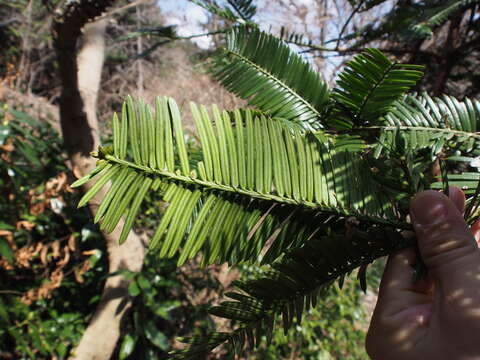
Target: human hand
439,316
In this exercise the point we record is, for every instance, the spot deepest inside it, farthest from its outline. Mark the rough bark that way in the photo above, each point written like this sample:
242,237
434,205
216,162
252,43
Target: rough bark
80,73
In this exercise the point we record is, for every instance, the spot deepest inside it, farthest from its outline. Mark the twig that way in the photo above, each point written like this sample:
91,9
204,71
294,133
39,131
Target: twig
123,8
341,52
347,22
14,292
175,38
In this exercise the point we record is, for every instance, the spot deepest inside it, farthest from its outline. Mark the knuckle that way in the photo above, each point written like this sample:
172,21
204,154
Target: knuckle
442,249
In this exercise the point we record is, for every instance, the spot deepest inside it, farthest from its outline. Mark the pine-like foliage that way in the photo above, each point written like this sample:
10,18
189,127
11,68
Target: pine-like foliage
368,87
411,21
309,205
283,85
434,123
259,182
438,15
241,11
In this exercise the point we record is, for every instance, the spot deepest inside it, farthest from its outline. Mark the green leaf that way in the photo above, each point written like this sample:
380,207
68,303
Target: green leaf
299,277
143,282
127,346
4,313
155,336
101,165
6,251
134,289
234,10
109,172
432,123
283,170
260,68
5,226
179,140
135,206
310,207
368,87
165,307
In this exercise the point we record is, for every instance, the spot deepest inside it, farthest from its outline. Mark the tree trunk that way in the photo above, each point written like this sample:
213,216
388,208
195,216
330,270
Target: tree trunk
80,75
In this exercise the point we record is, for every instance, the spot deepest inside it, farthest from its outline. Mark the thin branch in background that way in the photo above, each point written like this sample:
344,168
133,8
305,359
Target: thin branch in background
152,48
344,27
12,20
311,47
13,292
342,52
123,8
157,32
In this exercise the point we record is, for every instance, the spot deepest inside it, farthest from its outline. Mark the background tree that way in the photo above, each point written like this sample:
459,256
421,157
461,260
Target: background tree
442,35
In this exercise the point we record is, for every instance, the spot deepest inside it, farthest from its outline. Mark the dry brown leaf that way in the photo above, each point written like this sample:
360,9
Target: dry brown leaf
66,257
56,249
72,242
36,248
5,233
89,252
29,296
23,256
45,290
27,225
5,265
79,271
56,277
37,209
78,276
43,255
8,235
8,146
11,241
56,185
5,157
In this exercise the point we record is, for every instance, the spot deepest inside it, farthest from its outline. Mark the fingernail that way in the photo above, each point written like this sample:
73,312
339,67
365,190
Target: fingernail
428,208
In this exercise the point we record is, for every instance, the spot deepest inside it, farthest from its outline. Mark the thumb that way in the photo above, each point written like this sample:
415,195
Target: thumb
446,244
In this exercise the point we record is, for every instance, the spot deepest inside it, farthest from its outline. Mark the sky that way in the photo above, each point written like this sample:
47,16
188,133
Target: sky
189,17
271,15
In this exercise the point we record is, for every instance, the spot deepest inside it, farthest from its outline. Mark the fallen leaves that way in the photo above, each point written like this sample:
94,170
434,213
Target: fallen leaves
47,258
51,197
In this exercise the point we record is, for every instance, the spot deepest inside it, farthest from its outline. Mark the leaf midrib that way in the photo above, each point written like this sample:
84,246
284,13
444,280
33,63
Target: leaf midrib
275,307
422,128
372,90
268,197
273,77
